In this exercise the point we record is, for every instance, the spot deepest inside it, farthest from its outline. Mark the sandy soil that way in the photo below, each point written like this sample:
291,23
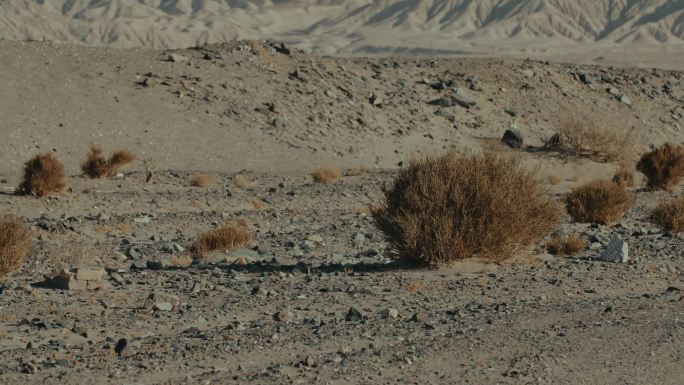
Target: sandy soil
245,111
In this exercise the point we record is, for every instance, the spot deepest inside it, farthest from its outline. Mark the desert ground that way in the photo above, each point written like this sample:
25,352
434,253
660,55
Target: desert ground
319,297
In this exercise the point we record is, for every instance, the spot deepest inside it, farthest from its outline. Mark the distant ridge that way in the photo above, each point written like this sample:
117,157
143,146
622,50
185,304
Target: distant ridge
351,26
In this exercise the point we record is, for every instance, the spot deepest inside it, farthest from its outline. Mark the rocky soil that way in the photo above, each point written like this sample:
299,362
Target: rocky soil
318,298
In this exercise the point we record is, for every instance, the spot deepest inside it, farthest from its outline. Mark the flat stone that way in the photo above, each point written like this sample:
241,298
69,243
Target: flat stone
355,315
176,58
513,138
89,274
389,313
163,306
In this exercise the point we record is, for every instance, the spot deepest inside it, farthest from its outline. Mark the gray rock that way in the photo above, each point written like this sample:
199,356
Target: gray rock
528,73
163,306
586,78
355,315
358,240
626,100
463,100
613,91
616,251
513,138
176,58
389,313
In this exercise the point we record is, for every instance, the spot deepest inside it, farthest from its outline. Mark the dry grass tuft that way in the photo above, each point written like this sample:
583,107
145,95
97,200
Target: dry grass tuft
96,166
554,179
624,177
588,137
361,170
15,244
229,236
670,214
202,181
326,175
447,208
183,260
240,181
571,245
664,166
600,201
43,176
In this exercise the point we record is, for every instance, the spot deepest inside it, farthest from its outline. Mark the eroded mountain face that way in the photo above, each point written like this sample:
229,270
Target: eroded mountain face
350,27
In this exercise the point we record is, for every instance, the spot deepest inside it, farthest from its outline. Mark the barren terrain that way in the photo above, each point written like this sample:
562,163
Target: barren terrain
315,300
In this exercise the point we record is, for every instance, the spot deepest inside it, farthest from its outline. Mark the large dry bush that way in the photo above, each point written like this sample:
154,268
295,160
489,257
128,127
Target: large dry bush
15,244
600,201
97,166
594,137
447,208
663,167
670,214
43,176
229,236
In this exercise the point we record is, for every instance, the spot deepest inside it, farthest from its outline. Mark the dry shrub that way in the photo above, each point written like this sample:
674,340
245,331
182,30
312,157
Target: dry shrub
624,177
202,181
663,167
670,214
326,175
592,138
447,208
229,236
43,176
15,244
554,179
358,171
600,201
240,181
183,260
570,245
96,166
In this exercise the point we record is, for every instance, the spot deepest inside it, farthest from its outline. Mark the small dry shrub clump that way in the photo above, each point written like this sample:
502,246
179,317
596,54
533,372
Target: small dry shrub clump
43,176
229,236
624,177
326,175
589,137
202,181
15,244
97,166
600,201
570,245
447,208
670,214
663,167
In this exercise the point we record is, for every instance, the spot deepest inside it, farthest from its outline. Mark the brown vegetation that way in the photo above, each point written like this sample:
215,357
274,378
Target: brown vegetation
570,245
447,208
624,177
96,166
554,179
202,181
670,214
240,181
600,201
229,236
326,175
663,167
588,137
43,176
15,244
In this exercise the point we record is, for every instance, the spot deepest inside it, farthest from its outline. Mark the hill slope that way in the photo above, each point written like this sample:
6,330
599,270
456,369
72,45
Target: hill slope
544,27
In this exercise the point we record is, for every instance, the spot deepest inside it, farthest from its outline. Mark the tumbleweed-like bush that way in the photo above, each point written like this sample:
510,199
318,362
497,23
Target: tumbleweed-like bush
15,244
566,245
670,214
43,176
442,209
97,166
663,167
600,201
